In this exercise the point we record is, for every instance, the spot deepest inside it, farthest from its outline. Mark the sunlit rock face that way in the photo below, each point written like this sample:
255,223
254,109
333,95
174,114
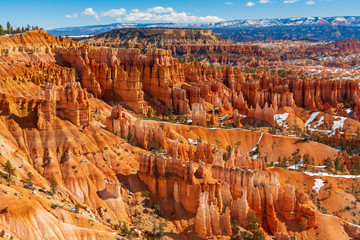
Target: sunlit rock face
104,137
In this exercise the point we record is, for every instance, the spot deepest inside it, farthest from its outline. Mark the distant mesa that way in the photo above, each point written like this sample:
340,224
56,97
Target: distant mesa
312,28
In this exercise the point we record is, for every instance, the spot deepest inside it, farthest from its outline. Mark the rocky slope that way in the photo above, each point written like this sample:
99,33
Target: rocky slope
186,43
159,37
84,155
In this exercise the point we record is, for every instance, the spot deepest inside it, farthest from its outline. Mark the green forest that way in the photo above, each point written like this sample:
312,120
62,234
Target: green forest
8,29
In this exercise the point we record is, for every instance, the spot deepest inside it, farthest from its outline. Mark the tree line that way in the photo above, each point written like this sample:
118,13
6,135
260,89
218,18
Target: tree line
13,30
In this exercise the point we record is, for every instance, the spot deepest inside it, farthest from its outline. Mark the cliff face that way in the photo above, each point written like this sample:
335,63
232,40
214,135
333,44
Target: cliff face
134,130
266,114
213,196
31,56
351,44
185,43
124,75
198,114
60,153
156,37
91,164
68,103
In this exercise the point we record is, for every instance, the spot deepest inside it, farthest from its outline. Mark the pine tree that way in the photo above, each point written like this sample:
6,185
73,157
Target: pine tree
53,187
337,164
328,163
9,168
2,32
30,176
8,28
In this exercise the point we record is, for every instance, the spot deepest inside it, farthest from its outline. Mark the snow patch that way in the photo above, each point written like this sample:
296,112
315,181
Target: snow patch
319,123
223,118
193,142
338,124
280,119
293,167
324,174
350,112
311,119
318,184
254,149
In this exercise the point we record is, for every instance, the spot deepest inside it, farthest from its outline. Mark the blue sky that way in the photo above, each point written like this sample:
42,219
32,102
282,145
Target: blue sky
63,13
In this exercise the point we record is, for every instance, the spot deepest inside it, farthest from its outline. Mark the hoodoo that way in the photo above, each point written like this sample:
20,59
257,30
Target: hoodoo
176,133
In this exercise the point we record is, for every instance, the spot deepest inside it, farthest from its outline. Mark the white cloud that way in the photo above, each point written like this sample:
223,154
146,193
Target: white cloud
160,9
290,1
115,12
138,15
155,14
250,4
91,12
311,2
228,3
174,16
74,15
264,1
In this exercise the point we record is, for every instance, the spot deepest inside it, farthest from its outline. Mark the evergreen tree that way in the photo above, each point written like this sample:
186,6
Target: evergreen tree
328,163
13,30
53,187
8,28
337,164
9,168
30,176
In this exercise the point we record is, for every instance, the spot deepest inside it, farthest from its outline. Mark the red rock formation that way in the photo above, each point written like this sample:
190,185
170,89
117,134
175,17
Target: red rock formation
47,109
102,74
244,161
181,104
124,75
351,44
235,192
73,104
266,114
209,221
236,119
124,125
357,107
198,114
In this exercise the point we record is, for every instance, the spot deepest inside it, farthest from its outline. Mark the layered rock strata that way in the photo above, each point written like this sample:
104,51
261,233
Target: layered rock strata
213,196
